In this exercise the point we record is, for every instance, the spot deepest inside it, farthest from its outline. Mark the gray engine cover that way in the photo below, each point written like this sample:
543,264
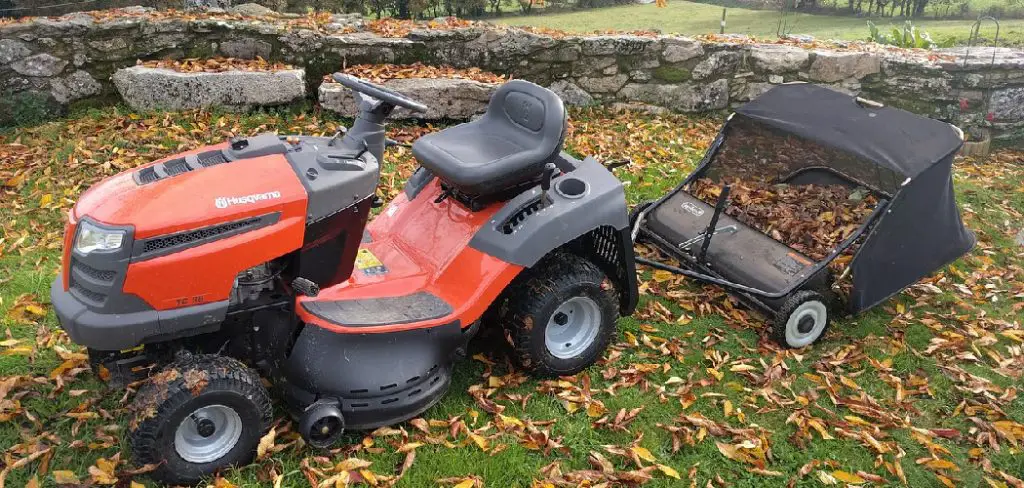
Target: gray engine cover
333,179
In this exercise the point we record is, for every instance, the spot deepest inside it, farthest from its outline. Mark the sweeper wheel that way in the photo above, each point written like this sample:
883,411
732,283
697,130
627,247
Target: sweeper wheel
559,316
196,416
802,320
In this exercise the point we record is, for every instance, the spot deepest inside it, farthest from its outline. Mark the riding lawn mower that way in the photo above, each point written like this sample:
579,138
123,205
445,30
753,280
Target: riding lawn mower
255,257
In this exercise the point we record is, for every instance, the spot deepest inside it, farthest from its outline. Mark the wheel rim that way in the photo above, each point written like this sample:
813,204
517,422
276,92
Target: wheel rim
208,434
573,327
806,323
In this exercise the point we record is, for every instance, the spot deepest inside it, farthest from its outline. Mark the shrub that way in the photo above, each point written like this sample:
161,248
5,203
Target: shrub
908,36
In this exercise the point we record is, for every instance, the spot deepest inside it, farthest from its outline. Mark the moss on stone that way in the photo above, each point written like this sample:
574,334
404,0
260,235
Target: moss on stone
200,50
672,74
27,108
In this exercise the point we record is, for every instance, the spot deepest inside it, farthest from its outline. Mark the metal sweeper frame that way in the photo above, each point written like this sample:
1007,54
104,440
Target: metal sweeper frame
799,134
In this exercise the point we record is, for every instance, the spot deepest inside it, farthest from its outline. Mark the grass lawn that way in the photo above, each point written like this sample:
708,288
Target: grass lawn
922,391
698,18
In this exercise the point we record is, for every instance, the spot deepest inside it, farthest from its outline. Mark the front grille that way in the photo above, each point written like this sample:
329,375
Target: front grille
184,238
212,158
96,274
95,297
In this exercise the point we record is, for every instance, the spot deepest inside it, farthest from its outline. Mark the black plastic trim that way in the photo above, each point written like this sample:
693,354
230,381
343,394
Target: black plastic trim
122,329
379,379
417,182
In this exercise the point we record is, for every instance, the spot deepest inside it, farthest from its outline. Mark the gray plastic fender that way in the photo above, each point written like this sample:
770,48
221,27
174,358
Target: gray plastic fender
603,203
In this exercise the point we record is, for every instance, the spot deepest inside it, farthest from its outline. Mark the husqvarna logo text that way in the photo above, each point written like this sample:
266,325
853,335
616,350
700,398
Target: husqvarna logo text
225,202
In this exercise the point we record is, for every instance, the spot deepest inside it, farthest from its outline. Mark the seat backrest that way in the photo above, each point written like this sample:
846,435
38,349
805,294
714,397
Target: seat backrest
530,115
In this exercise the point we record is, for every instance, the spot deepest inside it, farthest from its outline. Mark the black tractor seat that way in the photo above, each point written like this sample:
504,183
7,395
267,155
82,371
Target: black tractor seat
523,129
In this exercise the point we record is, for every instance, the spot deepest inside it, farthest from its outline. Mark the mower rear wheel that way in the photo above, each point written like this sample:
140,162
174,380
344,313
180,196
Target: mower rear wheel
802,320
559,316
198,415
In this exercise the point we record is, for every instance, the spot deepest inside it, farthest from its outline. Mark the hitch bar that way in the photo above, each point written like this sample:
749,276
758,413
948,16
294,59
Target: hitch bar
710,232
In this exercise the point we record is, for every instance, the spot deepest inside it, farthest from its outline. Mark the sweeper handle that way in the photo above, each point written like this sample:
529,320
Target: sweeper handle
710,231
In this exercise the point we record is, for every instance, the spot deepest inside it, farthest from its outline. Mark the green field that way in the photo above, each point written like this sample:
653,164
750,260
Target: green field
689,18
919,392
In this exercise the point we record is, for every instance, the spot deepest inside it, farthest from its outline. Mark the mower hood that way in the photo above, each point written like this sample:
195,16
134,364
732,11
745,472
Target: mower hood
193,198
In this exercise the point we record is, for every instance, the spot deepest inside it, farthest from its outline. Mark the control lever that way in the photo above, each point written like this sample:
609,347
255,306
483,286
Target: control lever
713,225
618,163
342,130
389,142
545,182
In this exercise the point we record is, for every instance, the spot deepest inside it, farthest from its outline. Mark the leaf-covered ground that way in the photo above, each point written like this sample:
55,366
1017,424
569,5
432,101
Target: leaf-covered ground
922,391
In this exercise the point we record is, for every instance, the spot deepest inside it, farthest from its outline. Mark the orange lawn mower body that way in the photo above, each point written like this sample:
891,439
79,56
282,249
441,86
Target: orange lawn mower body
257,255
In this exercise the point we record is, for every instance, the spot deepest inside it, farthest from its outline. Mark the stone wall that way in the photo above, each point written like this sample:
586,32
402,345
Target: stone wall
60,61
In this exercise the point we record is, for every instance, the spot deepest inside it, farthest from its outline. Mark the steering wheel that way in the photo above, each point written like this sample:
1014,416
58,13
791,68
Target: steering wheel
378,92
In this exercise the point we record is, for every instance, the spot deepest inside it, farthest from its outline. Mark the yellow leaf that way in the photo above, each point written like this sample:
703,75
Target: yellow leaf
409,446
45,200
223,483
15,181
352,463
35,310
820,428
716,373
847,477
596,410
495,381
479,440
510,420
662,276
63,477
17,351
995,483
136,484
671,473
643,453
727,408
369,476
941,464
466,483
266,442
849,382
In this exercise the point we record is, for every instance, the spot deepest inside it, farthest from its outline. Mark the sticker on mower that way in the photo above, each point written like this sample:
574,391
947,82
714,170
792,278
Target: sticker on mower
368,263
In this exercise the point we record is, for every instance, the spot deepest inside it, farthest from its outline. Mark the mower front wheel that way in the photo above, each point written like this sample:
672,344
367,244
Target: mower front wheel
559,316
802,320
198,415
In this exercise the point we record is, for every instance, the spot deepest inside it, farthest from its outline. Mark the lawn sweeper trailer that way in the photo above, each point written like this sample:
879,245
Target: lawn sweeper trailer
807,136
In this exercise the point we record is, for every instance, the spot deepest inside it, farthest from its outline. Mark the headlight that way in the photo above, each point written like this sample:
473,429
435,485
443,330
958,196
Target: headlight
94,239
